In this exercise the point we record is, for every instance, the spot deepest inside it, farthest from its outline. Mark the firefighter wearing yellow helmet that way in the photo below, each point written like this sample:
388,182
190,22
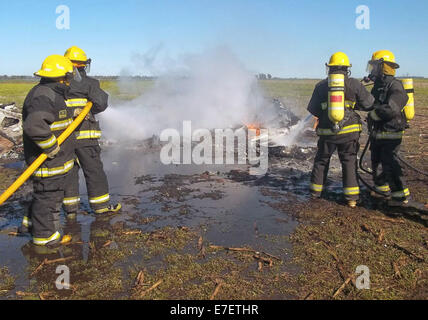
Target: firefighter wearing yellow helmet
334,102
88,150
45,116
387,121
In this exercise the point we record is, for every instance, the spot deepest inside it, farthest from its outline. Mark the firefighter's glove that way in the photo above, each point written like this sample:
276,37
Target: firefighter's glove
53,153
373,116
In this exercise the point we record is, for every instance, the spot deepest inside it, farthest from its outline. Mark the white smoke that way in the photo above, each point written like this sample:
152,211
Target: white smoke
291,136
212,89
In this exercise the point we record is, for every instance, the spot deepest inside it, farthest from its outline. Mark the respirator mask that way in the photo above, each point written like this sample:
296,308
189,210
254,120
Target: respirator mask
76,75
88,66
374,69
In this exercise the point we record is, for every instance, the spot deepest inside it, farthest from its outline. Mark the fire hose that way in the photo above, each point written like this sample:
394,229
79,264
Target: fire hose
369,171
411,166
39,161
367,82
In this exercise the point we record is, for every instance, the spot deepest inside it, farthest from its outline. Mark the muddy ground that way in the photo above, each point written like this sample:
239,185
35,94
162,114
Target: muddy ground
215,232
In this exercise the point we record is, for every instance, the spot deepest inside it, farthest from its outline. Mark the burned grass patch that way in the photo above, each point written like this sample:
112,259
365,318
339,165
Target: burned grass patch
7,281
333,240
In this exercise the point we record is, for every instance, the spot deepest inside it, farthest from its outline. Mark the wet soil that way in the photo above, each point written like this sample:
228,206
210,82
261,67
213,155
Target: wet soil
187,230
171,217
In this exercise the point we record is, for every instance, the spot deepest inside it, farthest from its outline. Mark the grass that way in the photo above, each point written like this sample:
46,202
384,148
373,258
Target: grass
7,282
287,90
14,92
169,255
125,90
333,241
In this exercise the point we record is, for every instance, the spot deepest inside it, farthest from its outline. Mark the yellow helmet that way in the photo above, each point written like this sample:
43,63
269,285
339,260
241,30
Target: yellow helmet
386,55
388,58
339,59
55,66
76,55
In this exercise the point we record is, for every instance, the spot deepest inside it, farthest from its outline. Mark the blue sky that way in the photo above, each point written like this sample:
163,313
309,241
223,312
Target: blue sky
282,37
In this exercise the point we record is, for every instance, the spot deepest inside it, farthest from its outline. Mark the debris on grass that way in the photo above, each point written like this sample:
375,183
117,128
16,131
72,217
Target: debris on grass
139,281
47,262
151,288
7,281
219,283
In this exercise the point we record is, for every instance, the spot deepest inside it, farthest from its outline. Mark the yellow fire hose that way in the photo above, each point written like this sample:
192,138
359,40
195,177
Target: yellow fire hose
39,161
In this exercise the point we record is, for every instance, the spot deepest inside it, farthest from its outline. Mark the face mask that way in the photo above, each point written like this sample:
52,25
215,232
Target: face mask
88,66
76,75
70,76
375,69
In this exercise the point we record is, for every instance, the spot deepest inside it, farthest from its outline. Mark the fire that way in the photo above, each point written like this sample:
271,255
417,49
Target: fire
316,122
254,127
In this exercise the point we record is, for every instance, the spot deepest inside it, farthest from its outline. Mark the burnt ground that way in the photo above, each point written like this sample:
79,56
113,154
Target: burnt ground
201,232
332,239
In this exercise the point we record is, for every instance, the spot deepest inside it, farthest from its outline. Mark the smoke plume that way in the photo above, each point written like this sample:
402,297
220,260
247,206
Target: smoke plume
212,89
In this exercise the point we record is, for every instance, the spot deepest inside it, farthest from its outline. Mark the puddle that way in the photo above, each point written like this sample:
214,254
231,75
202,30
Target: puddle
224,204
15,165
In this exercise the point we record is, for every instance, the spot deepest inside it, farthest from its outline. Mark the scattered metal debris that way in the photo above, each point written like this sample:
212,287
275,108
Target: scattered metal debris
10,131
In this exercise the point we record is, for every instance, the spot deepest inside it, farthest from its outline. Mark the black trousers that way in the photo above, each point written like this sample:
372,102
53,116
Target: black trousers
71,199
347,148
95,177
48,195
387,170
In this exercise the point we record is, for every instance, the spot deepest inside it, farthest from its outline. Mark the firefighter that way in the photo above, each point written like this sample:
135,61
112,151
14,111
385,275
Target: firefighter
45,116
88,150
388,122
334,102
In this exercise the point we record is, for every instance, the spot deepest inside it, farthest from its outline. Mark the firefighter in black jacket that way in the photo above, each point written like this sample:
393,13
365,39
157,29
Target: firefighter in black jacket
88,150
45,116
388,122
342,135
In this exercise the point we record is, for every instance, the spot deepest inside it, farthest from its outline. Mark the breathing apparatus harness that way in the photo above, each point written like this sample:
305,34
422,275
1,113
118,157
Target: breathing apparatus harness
336,104
408,85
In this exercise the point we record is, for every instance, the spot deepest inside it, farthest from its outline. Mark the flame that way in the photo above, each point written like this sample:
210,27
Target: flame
254,127
316,122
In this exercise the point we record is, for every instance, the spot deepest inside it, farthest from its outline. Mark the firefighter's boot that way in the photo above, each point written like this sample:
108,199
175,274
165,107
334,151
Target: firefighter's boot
110,209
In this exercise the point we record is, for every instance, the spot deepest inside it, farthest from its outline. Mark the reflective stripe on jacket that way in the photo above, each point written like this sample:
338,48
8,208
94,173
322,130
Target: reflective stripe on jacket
391,97
385,135
45,116
356,98
88,89
344,130
50,172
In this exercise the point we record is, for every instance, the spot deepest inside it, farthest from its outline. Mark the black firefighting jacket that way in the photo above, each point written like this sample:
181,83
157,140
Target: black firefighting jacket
88,89
45,116
356,98
391,97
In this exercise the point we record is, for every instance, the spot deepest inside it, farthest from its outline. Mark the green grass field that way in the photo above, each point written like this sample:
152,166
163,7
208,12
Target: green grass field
17,91
286,89
293,92
14,92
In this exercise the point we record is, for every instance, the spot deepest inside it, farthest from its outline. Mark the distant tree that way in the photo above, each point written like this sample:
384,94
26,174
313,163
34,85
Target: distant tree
269,76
